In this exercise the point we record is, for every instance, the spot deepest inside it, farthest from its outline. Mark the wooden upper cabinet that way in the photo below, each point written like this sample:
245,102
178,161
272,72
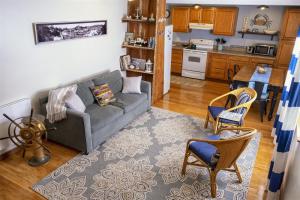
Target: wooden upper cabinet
180,19
225,21
202,15
284,53
290,24
195,15
208,15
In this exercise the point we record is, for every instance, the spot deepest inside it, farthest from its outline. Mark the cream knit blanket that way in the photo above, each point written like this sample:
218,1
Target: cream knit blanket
56,109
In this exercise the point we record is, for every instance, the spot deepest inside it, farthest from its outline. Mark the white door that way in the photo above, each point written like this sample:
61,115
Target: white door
168,57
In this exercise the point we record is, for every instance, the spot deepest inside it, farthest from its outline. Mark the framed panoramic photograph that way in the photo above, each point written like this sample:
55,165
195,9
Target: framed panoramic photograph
49,32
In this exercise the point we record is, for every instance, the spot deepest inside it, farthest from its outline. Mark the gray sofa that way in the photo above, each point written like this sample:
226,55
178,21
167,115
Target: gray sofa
85,131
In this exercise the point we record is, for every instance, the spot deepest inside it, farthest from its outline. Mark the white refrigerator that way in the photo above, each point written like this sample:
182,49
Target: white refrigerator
167,57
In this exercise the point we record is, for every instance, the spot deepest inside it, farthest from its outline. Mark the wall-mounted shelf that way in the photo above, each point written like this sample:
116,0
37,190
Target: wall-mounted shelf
139,71
257,33
138,20
137,47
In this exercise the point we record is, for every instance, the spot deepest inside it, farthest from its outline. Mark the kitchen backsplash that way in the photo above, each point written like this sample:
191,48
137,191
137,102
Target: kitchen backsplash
274,13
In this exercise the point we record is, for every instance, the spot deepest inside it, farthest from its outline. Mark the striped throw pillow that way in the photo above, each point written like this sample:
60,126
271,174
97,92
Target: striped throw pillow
103,94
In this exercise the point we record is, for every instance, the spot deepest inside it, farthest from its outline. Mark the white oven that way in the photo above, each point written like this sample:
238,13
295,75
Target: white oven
194,63
195,58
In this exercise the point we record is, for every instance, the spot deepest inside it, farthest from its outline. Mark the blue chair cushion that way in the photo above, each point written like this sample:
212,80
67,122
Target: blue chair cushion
206,152
215,111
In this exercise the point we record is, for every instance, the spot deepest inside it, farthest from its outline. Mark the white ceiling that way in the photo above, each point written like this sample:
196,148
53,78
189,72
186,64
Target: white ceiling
237,2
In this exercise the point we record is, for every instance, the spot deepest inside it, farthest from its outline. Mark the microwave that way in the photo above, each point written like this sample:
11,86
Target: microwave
265,49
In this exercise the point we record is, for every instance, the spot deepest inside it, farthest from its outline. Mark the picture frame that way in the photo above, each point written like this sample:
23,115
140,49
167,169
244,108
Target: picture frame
128,37
125,62
138,63
58,31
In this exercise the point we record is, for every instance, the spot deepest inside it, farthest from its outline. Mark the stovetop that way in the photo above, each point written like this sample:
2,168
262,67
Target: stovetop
200,44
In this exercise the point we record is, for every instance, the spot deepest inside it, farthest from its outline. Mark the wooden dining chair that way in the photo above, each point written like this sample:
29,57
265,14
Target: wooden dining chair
230,74
245,97
262,97
215,153
236,69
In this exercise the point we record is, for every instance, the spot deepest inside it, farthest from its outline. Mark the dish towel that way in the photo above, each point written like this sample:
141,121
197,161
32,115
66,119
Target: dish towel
256,76
56,109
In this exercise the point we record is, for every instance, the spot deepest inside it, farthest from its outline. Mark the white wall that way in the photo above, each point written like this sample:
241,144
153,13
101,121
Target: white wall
275,14
237,2
26,68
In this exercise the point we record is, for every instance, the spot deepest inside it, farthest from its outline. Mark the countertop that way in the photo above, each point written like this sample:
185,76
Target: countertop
226,51
240,53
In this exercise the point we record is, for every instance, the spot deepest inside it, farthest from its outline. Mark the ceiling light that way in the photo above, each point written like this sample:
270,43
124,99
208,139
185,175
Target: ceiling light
262,7
196,6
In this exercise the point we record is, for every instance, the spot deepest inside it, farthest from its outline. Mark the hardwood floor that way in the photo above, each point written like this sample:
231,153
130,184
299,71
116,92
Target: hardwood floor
16,177
194,100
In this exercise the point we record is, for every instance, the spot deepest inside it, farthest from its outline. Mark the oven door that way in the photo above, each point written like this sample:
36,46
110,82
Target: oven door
194,60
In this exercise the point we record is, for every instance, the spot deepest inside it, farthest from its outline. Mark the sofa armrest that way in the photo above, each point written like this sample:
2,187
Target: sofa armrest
146,88
74,131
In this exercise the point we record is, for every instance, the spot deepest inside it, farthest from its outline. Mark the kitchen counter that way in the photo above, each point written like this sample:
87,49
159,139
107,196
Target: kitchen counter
179,45
226,51
239,53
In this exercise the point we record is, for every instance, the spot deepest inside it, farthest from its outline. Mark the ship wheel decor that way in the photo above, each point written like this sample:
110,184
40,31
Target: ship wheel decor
26,133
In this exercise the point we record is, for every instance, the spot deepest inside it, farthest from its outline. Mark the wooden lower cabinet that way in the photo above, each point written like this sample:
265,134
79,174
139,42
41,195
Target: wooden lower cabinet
176,62
218,64
260,61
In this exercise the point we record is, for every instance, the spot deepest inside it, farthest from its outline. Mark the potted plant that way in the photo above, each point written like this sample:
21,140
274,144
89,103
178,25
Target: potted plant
220,43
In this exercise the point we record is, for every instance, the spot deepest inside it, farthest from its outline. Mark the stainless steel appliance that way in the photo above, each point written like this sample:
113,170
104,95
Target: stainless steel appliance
265,49
250,49
195,58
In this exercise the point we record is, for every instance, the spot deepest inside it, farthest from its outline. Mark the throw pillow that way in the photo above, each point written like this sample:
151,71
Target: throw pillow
73,101
132,84
103,94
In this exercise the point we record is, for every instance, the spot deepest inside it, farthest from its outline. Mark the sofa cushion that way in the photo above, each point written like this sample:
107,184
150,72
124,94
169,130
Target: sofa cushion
84,92
102,116
114,80
129,101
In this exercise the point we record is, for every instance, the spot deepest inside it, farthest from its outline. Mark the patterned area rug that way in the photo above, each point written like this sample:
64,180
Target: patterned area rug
180,80
143,161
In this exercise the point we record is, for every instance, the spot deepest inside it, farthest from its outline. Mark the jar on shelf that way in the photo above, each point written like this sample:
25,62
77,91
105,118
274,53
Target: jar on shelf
149,66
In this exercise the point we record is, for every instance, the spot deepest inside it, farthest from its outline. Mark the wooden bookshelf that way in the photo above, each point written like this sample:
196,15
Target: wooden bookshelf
139,71
137,47
145,29
138,20
257,33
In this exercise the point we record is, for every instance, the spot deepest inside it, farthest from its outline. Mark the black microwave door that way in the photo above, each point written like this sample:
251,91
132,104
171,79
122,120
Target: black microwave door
263,50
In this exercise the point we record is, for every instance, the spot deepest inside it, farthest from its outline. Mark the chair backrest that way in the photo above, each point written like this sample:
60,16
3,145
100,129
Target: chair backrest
236,69
229,76
259,87
230,149
245,97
